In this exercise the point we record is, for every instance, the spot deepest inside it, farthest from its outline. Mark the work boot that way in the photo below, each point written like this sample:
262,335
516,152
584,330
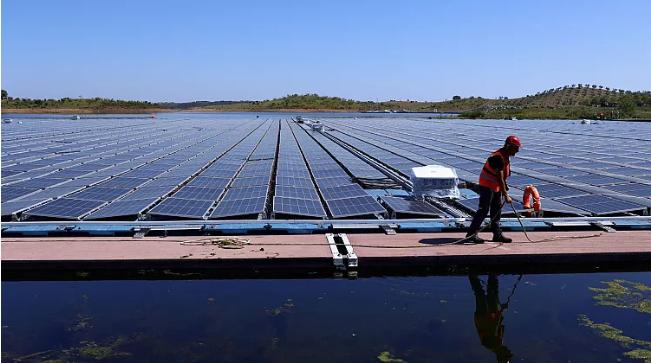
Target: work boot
501,238
474,238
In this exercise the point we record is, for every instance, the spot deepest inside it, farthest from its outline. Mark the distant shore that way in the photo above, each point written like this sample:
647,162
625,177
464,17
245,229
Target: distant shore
84,111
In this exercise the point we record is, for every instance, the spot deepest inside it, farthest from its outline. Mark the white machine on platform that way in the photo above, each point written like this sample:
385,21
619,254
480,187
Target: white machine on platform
435,181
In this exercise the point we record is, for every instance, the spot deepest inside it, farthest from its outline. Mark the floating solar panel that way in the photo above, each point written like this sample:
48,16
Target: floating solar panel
333,182
100,193
557,190
148,192
343,191
296,192
16,206
123,182
199,193
340,208
65,208
38,183
250,182
238,207
177,207
11,192
600,205
298,207
121,208
246,192
411,206
294,182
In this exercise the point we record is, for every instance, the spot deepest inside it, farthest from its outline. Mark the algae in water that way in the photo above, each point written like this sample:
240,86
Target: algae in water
624,294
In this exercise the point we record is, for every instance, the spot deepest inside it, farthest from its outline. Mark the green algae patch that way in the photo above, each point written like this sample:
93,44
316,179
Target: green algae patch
642,347
93,350
624,294
642,354
83,322
387,357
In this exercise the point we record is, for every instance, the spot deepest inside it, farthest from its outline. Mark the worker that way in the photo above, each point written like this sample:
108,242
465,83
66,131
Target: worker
492,187
489,317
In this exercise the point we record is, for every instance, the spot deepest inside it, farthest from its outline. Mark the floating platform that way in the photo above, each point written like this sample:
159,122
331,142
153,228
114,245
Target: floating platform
372,253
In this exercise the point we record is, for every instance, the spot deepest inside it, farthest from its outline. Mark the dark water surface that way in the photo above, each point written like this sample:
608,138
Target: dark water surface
390,319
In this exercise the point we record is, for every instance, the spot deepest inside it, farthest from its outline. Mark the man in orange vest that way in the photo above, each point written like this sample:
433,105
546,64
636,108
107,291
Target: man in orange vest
492,187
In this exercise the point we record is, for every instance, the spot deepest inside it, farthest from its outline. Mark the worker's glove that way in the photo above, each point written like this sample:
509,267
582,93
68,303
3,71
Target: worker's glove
507,198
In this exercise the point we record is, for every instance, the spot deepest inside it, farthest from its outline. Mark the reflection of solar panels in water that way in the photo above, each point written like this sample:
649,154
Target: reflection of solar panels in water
178,207
228,208
121,208
411,206
65,208
354,206
299,207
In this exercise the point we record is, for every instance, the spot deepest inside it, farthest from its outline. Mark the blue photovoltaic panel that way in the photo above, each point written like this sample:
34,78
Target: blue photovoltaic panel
178,207
298,207
148,192
343,191
123,182
411,206
251,182
229,208
354,206
121,208
246,192
99,193
9,208
333,182
208,182
65,208
189,192
296,192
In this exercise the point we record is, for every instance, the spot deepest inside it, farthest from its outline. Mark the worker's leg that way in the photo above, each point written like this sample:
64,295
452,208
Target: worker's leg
496,213
485,197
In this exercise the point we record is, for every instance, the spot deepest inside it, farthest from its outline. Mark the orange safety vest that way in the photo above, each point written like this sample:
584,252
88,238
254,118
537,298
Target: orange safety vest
490,177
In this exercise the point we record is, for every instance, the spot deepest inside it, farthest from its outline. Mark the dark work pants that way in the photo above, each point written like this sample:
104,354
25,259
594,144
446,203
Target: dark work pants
488,201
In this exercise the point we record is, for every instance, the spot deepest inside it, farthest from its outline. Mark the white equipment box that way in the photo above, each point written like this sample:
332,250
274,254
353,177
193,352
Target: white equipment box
435,181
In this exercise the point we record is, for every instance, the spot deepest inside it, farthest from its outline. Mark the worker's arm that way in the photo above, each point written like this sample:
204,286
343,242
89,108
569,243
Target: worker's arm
504,188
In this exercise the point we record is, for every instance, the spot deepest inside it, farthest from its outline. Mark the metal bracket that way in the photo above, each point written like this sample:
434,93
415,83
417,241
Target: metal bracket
140,232
388,229
603,226
343,256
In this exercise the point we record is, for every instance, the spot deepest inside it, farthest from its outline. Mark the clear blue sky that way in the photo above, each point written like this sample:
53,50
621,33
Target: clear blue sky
367,50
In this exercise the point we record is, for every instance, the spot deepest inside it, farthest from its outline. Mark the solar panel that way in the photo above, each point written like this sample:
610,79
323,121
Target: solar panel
9,208
294,182
250,182
557,190
411,206
595,179
148,192
65,208
246,192
177,207
99,193
343,191
123,182
195,193
38,183
354,206
333,182
298,207
296,192
229,208
121,208
11,192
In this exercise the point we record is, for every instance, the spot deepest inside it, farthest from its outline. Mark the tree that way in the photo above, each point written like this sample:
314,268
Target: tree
456,98
5,94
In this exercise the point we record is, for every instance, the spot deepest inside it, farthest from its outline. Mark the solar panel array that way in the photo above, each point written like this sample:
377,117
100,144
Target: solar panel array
240,167
597,169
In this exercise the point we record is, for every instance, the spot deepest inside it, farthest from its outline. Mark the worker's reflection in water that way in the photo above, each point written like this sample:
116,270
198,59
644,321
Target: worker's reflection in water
489,318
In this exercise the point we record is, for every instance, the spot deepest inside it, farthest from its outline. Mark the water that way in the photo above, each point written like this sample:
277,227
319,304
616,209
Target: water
416,319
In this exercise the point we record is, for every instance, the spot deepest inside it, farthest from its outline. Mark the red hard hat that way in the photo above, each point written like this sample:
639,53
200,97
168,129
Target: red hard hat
514,140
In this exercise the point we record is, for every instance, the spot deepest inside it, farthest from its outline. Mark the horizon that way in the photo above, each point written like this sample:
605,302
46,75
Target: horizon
362,51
